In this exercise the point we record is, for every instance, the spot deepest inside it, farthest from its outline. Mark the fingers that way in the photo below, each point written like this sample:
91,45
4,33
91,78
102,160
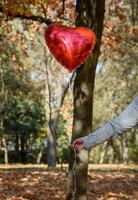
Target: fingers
77,141
79,147
78,144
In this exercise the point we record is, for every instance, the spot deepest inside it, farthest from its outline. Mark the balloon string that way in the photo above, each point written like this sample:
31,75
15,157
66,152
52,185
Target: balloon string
74,173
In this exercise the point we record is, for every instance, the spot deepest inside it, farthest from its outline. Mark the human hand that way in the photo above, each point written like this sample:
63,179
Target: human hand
78,144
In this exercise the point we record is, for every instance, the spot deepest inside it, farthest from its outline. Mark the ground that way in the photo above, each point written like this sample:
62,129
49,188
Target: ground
105,182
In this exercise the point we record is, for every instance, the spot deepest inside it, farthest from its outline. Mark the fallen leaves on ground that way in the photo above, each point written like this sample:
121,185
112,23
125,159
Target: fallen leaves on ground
40,184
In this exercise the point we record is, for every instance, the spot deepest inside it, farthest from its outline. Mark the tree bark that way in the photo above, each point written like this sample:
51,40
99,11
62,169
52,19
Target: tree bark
23,152
4,142
90,13
103,153
51,147
17,146
39,157
124,150
5,149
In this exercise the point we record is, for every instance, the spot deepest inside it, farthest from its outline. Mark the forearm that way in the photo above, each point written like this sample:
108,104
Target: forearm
99,136
117,126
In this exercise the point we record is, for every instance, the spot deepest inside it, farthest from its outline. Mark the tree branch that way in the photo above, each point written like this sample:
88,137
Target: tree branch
66,87
33,17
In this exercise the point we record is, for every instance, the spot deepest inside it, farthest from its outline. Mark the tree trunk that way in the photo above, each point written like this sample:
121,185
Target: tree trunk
90,13
124,150
115,156
51,148
103,153
5,149
52,118
4,143
17,146
23,153
39,157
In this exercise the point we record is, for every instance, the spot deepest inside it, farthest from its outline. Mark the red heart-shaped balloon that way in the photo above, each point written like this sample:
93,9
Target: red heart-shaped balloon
70,46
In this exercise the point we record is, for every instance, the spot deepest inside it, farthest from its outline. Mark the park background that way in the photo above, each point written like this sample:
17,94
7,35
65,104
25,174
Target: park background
37,107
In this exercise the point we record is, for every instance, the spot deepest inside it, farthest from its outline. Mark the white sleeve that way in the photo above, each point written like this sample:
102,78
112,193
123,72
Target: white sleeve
117,126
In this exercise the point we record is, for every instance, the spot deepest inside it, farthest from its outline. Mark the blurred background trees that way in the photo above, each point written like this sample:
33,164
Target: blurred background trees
36,98
34,88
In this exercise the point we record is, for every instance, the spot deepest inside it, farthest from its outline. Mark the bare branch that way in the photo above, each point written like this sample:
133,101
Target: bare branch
63,6
33,17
